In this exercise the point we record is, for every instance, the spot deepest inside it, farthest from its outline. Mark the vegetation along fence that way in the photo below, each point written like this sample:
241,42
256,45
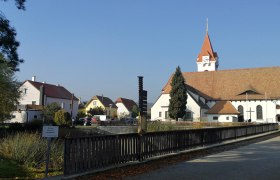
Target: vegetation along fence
91,153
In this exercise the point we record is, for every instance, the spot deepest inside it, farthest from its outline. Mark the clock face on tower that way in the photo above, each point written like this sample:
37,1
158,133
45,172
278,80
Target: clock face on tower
205,59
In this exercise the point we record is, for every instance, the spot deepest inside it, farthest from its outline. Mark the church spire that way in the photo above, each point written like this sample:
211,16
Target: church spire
207,54
207,25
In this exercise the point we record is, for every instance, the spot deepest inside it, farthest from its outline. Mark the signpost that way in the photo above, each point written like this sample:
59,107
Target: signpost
49,132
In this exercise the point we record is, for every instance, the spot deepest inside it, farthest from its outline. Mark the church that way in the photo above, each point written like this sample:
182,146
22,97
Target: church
236,95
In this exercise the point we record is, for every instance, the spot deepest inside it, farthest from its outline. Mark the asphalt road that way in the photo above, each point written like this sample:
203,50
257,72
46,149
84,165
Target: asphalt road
255,161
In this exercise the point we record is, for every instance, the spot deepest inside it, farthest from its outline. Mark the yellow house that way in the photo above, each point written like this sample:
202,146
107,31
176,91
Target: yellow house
106,103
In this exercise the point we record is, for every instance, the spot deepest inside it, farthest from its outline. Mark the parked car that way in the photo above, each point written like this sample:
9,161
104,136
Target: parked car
80,122
87,121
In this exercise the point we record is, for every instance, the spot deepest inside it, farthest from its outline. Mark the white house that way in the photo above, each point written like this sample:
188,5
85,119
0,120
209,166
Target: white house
35,95
253,92
125,107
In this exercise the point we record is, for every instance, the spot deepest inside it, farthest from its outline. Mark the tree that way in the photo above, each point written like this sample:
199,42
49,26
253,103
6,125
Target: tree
134,111
9,61
9,93
178,96
62,117
8,42
50,110
96,111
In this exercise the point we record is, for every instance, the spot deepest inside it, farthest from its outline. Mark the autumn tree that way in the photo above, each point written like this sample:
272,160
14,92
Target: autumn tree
178,96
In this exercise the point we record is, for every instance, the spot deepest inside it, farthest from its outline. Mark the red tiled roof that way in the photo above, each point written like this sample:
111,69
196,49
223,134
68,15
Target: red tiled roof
231,84
223,107
207,50
53,90
128,103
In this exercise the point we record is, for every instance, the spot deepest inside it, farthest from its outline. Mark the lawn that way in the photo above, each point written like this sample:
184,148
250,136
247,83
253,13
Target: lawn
9,169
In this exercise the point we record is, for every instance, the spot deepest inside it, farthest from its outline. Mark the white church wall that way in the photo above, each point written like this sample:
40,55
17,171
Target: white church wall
201,66
159,111
160,107
222,118
268,110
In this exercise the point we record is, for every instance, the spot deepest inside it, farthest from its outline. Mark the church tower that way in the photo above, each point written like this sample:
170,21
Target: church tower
207,59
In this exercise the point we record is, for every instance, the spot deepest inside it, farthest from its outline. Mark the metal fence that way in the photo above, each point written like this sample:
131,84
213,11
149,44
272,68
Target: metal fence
91,153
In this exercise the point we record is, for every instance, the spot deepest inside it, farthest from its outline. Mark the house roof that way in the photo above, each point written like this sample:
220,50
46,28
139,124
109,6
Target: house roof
53,91
231,84
222,107
128,103
104,100
207,50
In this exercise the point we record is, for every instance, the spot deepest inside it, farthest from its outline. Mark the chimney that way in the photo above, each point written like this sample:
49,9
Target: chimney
33,78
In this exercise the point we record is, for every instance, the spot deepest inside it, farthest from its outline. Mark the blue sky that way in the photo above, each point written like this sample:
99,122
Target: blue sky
95,47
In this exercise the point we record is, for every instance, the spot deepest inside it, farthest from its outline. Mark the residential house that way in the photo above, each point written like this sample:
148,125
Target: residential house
104,102
35,95
125,107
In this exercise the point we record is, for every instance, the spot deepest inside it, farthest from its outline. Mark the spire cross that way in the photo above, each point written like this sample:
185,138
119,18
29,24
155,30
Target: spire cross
206,25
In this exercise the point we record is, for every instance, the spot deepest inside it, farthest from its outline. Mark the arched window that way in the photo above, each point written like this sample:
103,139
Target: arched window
259,112
240,109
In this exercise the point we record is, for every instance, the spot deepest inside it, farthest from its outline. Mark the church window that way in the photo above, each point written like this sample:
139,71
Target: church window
259,112
159,114
277,106
240,109
215,117
166,114
227,118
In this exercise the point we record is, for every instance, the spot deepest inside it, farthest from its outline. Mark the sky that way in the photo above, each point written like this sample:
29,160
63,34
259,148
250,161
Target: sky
95,47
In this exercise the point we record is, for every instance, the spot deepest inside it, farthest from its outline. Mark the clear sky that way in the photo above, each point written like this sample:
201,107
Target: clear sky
95,47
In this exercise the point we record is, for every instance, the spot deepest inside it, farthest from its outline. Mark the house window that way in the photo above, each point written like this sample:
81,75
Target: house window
70,106
159,114
25,91
35,117
33,102
240,109
94,103
259,112
62,105
215,117
166,115
227,118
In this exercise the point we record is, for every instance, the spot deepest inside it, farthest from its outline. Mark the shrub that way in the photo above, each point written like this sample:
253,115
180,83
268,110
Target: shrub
62,117
29,149
34,125
16,127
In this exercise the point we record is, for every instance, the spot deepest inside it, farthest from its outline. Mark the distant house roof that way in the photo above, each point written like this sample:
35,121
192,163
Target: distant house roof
53,90
128,103
223,107
104,100
236,84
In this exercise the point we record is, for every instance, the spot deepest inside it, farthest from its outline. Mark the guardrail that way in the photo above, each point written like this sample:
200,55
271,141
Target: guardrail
91,153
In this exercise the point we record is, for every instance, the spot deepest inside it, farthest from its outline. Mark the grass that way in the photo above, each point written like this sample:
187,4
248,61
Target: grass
10,169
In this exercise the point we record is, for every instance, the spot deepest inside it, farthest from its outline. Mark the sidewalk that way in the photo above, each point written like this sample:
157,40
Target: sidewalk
255,161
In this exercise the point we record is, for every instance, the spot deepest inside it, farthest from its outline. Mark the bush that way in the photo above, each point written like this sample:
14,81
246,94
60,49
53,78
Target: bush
62,118
29,149
35,125
16,127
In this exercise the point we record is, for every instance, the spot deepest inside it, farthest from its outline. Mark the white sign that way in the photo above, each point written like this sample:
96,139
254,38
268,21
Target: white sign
50,131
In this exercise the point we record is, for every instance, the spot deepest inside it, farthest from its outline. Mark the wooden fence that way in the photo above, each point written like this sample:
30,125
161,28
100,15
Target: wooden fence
91,153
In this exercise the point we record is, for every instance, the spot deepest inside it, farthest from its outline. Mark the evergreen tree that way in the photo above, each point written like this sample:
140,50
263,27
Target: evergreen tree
178,96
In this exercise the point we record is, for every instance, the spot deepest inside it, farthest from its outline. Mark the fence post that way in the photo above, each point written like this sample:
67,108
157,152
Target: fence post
139,149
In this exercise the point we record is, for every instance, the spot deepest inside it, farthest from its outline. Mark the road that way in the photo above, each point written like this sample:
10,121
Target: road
255,161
